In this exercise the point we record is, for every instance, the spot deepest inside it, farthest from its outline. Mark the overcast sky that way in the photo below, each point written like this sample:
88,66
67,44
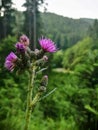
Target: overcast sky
70,8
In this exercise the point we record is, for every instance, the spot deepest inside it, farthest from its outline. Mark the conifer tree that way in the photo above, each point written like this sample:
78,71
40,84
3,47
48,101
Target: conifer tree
32,24
6,18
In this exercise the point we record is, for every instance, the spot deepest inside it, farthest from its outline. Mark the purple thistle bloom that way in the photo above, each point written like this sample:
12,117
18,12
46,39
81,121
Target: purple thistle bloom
20,47
10,61
11,57
25,40
47,45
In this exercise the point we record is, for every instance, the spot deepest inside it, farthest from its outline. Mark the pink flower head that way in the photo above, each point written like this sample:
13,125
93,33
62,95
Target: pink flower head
20,47
25,40
10,61
47,45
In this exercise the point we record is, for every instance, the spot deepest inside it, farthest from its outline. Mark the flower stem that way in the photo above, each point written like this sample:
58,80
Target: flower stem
29,99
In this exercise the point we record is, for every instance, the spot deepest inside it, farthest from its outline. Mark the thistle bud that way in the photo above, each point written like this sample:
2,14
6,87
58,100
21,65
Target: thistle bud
20,47
37,52
42,89
24,40
45,58
44,81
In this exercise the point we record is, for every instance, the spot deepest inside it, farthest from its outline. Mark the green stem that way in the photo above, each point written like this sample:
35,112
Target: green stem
29,99
35,100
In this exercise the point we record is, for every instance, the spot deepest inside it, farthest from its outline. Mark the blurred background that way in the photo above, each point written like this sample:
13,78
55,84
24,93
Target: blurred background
73,70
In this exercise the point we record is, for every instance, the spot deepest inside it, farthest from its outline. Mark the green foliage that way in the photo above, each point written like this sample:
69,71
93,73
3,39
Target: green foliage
93,30
57,59
89,108
64,31
79,53
82,59
9,101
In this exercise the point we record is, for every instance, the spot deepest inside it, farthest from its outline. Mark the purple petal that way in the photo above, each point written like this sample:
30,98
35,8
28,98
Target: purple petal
48,45
11,57
9,65
20,47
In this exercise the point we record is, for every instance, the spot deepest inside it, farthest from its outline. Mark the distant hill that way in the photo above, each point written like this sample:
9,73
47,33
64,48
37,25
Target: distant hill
63,30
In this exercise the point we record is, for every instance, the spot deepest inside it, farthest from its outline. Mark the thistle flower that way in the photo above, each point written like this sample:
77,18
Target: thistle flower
24,40
10,61
20,47
47,45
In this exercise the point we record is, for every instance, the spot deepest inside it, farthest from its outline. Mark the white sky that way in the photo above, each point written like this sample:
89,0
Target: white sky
70,8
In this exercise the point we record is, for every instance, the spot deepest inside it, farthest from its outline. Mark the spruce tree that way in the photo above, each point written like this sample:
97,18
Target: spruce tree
6,18
32,23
